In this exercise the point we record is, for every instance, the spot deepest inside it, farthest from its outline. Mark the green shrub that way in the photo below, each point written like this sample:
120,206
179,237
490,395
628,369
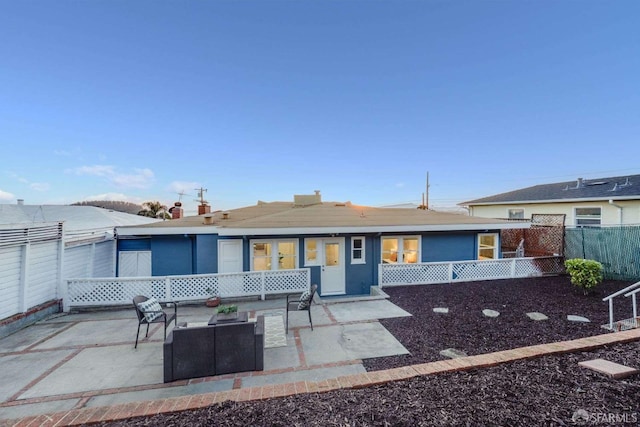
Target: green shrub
227,309
584,273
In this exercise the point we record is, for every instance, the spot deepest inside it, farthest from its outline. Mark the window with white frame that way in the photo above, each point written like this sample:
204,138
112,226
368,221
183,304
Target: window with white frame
488,246
274,254
357,250
515,213
400,249
588,216
311,252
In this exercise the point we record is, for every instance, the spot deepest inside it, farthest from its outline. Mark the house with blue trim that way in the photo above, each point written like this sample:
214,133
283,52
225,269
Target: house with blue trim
342,244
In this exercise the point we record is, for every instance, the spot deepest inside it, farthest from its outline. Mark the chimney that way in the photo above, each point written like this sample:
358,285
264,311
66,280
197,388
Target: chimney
176,210
204,209
20,202
208,219
302,200
579,183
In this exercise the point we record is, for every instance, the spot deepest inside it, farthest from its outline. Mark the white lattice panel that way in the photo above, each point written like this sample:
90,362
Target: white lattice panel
184,288
442,272
254,283
113,291
527,268
286,280
415,273
480,270
121,290
231,285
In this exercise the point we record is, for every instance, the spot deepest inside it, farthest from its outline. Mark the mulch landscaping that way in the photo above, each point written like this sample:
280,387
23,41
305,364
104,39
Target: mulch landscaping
552,390
465,328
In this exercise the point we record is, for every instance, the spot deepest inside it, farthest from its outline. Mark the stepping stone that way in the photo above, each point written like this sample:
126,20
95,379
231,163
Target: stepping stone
490,313
534,315
443,310
453,353
612,369
574,318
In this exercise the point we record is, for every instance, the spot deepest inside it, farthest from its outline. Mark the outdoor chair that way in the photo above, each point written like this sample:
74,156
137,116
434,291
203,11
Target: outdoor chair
150,311
302,303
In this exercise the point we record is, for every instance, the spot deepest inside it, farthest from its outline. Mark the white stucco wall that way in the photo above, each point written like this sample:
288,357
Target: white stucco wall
610,214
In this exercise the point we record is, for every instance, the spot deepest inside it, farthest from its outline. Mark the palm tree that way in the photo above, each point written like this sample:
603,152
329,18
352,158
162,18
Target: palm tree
154,210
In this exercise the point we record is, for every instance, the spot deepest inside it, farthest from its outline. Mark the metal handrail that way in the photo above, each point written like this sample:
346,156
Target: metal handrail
620,292
632,294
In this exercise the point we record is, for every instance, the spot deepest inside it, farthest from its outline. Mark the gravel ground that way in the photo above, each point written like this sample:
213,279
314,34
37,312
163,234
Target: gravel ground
552,390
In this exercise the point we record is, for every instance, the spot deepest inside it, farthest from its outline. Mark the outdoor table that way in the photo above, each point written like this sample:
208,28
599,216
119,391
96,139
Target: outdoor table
242,316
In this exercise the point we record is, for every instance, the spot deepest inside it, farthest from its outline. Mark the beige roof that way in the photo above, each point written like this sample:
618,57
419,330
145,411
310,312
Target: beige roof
275,217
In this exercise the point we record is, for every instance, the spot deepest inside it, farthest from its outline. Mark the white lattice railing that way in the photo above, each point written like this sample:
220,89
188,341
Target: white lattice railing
465,271
121,290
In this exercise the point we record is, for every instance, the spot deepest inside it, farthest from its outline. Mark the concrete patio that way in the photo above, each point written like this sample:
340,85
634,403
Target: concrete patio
87,359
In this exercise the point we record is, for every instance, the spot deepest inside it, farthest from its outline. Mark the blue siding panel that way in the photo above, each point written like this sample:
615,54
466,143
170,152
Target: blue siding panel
448,247
172,255
360,277
315,276
191,254
246,255
206,254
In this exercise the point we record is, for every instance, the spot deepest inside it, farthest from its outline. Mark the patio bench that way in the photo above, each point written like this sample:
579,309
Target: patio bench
223,348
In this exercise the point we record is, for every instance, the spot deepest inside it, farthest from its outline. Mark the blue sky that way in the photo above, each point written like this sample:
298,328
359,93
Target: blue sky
260,100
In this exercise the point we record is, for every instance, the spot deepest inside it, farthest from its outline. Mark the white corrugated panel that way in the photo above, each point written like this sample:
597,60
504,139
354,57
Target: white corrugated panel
104,259
134,264
77,262
144,264
10,262
42,274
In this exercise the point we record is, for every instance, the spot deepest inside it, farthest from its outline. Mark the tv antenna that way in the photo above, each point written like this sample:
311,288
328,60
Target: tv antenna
201,192
180,194
425,196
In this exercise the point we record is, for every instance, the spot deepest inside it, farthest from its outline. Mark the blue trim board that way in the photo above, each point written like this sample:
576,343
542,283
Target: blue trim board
141,244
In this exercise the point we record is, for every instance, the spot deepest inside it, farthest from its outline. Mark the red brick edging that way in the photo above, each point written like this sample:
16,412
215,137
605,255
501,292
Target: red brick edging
135,409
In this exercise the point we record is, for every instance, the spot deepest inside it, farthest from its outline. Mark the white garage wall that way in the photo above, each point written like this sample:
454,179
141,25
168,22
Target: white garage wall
33,261
30,259
10,276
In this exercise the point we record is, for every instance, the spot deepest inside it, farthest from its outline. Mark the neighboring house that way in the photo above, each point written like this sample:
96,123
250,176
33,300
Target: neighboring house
341,243
593,202
41,245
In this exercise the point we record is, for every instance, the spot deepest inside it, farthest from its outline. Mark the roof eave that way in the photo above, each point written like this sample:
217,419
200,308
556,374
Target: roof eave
369,229
531,202
156,231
